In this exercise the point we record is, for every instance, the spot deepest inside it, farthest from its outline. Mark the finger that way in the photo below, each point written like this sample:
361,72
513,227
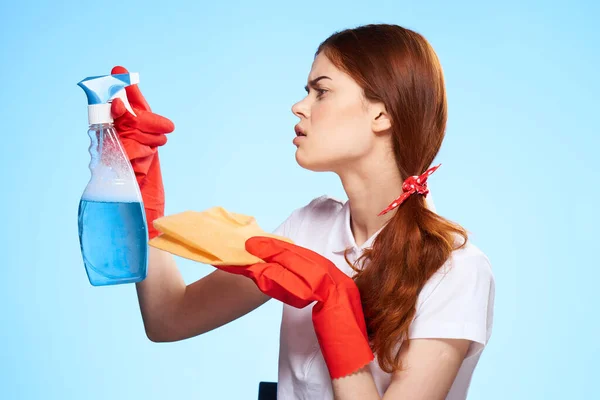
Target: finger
311,269
286,286
117,69
146,139
232,269
144,121
136,151
287,254
277,282
154,123
134,95
136,98
117,108
151,128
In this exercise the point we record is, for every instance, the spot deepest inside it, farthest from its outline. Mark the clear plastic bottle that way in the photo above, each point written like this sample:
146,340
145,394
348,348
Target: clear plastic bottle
112,223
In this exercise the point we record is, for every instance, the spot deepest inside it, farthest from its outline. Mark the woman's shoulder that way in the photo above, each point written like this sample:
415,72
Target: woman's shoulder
313,216
325,203
467,269
468,265
467,258
322,207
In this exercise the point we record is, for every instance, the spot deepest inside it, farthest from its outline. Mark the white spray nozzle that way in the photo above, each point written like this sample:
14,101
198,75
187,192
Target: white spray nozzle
101,90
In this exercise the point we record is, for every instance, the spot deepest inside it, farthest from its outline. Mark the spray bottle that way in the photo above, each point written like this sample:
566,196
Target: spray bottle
113,234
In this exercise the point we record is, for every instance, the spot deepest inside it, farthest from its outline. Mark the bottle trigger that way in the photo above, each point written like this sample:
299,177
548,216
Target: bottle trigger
122,94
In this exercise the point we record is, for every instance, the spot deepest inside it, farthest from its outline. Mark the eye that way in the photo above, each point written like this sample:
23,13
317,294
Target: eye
320,92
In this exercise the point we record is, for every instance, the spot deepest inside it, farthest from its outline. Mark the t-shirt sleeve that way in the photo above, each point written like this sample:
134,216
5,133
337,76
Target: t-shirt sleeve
290,226
457,303
302,217
285,228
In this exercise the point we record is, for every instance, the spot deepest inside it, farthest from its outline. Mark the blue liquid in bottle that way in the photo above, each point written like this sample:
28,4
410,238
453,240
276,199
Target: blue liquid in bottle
113,238
112,222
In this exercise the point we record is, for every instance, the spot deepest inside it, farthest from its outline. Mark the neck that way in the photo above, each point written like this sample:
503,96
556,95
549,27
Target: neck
370,188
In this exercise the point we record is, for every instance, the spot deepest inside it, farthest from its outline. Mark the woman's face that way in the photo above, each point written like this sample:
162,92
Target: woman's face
335,118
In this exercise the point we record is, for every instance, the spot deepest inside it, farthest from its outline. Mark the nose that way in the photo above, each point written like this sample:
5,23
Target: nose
300,109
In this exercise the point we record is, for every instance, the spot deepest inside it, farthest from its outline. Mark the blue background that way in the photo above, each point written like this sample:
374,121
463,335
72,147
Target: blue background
518,172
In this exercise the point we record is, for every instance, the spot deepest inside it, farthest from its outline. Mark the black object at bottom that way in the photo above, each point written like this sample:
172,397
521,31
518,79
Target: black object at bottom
267,391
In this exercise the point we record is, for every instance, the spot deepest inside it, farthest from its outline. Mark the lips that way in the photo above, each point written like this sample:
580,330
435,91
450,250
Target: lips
299,131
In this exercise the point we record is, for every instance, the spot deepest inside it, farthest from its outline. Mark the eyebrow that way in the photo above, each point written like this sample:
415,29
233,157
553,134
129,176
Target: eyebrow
315,81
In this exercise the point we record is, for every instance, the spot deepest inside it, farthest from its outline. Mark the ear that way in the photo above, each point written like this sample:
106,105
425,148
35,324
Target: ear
380,121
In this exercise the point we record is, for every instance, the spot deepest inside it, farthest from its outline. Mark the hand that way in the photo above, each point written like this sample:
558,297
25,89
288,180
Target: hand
298,276
141,135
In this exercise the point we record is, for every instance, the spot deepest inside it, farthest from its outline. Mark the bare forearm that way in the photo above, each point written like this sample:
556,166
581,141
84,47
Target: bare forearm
359,385
175,311
160,293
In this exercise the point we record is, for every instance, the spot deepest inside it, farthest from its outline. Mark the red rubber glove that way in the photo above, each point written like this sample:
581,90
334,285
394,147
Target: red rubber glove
141,135
298,276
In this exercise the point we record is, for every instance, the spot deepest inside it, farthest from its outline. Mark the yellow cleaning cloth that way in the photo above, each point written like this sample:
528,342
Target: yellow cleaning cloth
215,236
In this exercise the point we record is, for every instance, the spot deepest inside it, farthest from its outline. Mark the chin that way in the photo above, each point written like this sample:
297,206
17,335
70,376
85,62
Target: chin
314,164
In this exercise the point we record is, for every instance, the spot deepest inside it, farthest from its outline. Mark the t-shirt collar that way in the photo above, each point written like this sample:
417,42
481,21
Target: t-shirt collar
341,237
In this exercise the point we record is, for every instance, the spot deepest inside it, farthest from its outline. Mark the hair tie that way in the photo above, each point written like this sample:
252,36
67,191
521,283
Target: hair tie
412,184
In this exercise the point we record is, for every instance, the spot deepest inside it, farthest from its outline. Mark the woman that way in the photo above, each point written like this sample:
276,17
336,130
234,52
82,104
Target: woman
383,297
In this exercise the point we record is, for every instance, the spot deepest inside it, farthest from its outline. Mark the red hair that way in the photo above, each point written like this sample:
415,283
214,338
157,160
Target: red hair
399,68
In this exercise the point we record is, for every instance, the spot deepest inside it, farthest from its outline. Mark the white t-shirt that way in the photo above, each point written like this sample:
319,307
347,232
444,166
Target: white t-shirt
456,302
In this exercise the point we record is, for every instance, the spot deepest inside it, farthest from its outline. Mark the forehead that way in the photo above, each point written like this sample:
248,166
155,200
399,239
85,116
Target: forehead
322,66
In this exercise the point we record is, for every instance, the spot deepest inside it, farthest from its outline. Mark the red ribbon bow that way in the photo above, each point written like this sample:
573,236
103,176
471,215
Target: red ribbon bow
412,184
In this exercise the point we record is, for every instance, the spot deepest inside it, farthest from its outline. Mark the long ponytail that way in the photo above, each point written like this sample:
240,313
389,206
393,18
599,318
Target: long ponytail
407,252
398,67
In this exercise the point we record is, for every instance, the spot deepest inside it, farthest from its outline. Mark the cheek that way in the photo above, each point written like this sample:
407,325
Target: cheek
338,135
341,127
